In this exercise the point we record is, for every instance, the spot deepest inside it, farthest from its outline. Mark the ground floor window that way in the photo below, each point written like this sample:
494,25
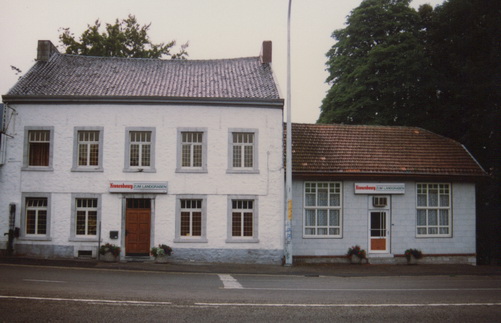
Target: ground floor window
434,216
322,209
36,215
35,220
191,218
242,219
86,217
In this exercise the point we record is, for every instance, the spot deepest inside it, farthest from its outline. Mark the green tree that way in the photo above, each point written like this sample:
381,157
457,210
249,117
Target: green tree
125,38
379,71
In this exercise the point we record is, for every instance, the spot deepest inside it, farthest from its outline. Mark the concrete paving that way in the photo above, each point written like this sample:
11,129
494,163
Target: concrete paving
342,270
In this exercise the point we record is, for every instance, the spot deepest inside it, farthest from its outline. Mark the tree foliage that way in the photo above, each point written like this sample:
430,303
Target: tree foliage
125,38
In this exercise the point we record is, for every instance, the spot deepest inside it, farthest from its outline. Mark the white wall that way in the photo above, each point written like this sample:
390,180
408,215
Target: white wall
403,223
216,184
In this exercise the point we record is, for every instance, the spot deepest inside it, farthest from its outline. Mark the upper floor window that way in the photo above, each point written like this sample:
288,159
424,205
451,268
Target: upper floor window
243,151
192,150
38,149
140,150
322,209
434,210
88,149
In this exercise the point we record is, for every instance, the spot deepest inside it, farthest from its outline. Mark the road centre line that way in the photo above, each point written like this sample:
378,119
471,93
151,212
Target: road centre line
229,282
347,305
85,300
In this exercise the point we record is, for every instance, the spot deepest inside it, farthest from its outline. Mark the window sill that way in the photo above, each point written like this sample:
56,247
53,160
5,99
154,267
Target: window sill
242,171
87,170
191,170
139,170
35,238
242,240
37,169
322,237
191,240
78,239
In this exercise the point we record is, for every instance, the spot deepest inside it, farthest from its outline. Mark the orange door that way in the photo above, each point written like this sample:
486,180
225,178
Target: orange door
137,235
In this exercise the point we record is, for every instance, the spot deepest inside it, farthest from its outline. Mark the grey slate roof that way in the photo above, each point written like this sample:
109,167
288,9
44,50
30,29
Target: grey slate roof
74,75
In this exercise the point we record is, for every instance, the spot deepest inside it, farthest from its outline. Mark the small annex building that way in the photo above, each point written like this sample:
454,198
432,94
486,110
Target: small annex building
142,152
386,189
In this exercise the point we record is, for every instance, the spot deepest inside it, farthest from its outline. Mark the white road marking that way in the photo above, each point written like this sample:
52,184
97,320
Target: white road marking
85,300
371,289
347,305
229,282
43,281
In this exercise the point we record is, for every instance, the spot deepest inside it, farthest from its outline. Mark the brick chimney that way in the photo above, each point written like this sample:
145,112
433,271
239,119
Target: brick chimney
265,55
45,50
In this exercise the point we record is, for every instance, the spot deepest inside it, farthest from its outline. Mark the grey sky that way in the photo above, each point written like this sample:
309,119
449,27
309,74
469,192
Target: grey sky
214,28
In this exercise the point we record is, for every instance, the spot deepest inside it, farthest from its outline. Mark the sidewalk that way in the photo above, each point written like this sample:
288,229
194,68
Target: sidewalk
341,270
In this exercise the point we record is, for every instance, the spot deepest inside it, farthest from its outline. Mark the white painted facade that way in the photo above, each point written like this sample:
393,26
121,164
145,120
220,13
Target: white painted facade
215,184
401,234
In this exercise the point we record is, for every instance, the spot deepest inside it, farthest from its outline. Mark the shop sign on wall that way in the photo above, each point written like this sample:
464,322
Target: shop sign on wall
379,188
138,187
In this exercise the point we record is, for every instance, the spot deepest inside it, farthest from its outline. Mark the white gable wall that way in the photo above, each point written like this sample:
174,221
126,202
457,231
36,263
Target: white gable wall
215,185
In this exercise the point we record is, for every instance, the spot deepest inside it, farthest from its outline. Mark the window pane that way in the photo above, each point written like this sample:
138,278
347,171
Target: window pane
237,156
197,224
309,231
82,155
335,200
421,200
444,200
333,231
432,217
444,217
322,217
197,156
134,155
334,217
31,221
421,217
322,231
310,200
39,154
185,156
433,197
92,226
310,218
185,223
42,222
322,197
248,156
236,224
145,158
80,222
248,224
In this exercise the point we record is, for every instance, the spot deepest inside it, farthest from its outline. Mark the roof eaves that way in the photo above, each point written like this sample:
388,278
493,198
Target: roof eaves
34,99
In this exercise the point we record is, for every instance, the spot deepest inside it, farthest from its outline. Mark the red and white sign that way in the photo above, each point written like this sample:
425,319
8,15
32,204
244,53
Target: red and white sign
379,188
138,187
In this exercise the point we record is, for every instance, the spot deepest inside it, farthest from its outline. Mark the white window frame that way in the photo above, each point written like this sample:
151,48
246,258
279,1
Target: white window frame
74,208
242,169
76,150
202,144
26,151
188,238
128,144
312,188
255,219
24,221
422,192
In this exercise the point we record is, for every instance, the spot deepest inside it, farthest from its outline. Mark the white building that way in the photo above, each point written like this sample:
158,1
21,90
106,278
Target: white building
385,189
139,152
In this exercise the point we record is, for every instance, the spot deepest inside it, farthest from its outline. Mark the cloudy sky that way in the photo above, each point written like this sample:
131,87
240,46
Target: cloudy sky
214,29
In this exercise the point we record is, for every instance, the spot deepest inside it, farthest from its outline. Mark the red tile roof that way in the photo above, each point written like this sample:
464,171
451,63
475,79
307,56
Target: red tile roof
377,150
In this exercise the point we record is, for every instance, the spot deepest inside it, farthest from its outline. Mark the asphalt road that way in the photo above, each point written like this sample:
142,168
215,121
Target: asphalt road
36,293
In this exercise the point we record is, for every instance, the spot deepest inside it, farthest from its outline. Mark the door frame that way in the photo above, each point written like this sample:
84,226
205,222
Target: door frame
387,210
124,198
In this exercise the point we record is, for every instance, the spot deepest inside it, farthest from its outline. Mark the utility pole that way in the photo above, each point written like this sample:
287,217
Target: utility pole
288,158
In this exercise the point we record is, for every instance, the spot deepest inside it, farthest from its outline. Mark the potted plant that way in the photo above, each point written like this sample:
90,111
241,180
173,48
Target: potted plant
413,255
110,252
161,253
356,254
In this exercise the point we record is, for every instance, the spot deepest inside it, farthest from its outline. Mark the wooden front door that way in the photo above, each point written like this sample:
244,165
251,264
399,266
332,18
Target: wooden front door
137,227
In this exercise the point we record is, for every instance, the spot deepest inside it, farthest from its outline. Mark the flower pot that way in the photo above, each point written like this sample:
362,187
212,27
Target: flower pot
162,259
412,260
354,259
108,257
